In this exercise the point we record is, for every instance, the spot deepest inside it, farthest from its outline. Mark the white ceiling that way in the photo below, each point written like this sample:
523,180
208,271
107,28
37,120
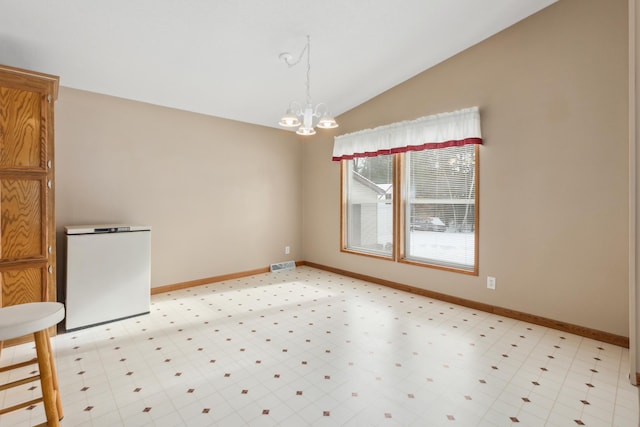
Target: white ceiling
220,57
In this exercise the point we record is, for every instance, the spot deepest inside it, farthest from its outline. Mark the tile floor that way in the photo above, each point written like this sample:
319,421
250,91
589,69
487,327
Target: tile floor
311,348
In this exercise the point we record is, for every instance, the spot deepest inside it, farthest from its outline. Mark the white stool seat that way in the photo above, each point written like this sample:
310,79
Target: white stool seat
34,319
24,319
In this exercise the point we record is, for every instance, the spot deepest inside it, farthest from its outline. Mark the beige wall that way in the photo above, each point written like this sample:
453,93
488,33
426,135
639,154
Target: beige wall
552,91
221,196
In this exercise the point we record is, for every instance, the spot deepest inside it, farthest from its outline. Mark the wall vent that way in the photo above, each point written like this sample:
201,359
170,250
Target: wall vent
280,266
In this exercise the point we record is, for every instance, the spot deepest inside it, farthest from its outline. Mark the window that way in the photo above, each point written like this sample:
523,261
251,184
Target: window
431,218
369,205
439,206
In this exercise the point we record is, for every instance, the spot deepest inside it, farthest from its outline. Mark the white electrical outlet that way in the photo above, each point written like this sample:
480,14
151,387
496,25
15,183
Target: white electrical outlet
287,250
491,283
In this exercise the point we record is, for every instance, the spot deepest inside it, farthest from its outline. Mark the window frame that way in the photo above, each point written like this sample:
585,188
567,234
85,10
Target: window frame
400,206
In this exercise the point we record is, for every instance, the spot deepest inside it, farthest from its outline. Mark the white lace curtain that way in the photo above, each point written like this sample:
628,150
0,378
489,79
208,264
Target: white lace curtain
437,131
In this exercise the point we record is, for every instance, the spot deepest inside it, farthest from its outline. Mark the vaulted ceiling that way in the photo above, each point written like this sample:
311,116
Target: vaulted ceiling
221,57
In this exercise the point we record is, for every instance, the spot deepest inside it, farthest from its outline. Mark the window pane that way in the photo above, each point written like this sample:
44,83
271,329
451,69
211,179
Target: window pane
440,207
369,205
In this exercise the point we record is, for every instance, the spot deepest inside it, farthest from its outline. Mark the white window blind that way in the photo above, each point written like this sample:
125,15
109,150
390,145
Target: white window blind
440,207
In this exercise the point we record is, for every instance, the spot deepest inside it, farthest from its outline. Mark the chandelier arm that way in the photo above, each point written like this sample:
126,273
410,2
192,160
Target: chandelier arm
296,108
320,109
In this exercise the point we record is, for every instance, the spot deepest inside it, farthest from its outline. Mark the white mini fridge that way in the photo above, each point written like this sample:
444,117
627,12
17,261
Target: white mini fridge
108,273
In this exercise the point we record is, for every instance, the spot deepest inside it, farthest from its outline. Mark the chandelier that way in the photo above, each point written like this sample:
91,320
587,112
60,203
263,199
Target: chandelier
307,117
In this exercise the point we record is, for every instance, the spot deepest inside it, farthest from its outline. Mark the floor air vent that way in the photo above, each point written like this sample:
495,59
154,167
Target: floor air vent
280,266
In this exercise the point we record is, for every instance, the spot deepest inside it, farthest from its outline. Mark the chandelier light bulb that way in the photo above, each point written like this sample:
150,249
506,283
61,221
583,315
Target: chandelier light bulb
327,122
289,120
305,131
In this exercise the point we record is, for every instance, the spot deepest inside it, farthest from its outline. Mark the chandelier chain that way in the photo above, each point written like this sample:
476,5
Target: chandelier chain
308,70
290,64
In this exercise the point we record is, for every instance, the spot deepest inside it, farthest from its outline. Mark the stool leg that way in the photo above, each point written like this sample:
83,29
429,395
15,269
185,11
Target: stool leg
46,378
54,376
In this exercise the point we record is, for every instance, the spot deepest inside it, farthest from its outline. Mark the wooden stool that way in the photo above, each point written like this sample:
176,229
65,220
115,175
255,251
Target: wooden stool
35,318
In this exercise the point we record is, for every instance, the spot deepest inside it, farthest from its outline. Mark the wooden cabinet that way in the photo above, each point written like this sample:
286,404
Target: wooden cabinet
27,226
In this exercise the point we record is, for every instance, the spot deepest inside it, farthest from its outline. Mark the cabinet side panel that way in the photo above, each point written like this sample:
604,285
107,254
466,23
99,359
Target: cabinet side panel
20,128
